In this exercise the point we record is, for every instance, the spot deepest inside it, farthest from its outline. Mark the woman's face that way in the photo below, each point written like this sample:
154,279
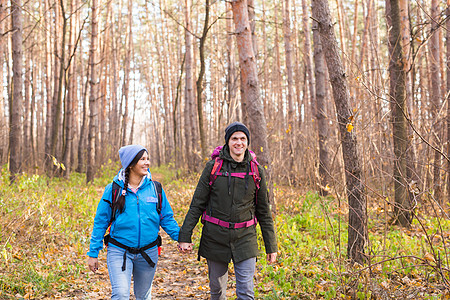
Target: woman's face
141,167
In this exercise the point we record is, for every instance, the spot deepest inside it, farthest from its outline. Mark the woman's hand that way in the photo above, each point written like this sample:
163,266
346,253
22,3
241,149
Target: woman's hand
93,264
185,247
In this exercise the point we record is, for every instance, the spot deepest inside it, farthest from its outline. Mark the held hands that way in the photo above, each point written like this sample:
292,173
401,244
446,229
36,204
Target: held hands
185,247
272,258
93,264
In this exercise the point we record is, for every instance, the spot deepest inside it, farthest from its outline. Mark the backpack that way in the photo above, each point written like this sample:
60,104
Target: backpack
254,172
218,162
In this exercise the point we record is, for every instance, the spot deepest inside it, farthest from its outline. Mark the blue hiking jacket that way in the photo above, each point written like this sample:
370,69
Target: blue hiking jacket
138,225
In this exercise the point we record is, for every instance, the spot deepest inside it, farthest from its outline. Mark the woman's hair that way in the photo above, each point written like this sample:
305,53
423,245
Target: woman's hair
119,205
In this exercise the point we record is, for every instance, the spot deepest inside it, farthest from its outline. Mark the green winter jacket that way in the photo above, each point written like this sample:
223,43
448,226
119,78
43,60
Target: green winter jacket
229,200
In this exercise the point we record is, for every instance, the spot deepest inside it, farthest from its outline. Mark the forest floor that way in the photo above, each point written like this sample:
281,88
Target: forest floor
45,225
178,276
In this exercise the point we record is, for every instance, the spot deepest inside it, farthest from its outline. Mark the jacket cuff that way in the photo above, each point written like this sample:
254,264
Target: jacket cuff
92,254
184,238
271,249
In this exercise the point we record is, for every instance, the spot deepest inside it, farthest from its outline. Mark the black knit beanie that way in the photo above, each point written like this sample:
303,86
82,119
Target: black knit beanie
233,127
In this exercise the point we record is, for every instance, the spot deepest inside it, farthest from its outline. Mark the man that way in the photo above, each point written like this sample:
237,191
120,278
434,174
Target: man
231,204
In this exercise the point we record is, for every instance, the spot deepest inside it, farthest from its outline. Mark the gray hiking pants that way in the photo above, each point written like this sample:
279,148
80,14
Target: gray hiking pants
218,276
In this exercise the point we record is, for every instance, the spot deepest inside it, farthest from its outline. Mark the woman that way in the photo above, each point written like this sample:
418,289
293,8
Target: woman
134,218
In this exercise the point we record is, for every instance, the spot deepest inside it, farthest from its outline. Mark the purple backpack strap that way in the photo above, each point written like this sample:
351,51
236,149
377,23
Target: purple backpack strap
215,170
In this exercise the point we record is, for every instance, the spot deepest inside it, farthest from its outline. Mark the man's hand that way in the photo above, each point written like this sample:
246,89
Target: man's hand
272,257
185,247
93,264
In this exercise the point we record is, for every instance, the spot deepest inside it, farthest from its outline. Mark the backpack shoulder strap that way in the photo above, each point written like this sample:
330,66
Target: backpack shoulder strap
115,193
158,187
218,162
256,175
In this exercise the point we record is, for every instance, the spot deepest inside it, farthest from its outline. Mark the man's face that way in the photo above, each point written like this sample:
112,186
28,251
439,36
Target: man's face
238,143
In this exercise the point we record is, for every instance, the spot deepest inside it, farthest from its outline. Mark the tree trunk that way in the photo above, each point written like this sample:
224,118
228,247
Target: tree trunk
84,123
397,96
189,93
15,128
277,76
57,111
69,106
48,84
3,118
233,112
435,97
126,82
93,95
357,228
250,84
321,112
308,56
448,96
290,128
27,104
199,82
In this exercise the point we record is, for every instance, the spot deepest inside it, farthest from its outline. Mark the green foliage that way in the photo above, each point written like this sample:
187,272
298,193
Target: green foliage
45,225
312,262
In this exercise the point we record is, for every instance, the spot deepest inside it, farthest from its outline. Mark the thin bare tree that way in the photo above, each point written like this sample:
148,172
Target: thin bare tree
250,85
189,92
435,97
3,124
93,95
200,82
127,71
397,98
357,228
321,112
447,96
16,107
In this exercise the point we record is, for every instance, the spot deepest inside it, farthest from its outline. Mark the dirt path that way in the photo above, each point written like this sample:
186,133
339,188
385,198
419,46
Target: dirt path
179,276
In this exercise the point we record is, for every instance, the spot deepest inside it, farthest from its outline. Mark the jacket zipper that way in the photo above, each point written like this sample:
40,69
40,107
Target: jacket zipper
139,221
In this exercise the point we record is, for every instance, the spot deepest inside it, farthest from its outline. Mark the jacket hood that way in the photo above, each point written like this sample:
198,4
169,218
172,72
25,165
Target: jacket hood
120,178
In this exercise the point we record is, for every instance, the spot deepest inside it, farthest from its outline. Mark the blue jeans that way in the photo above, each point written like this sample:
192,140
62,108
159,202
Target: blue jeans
137,266
218,276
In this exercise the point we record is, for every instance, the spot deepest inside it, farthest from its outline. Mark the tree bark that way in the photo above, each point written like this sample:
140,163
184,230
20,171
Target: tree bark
397,96
48,85
357,228
448,96
58,106
250,84
27,105
308,56
93,95
15,128
188,86
3,118
199,82
321,113
233,112
126,82
436,97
